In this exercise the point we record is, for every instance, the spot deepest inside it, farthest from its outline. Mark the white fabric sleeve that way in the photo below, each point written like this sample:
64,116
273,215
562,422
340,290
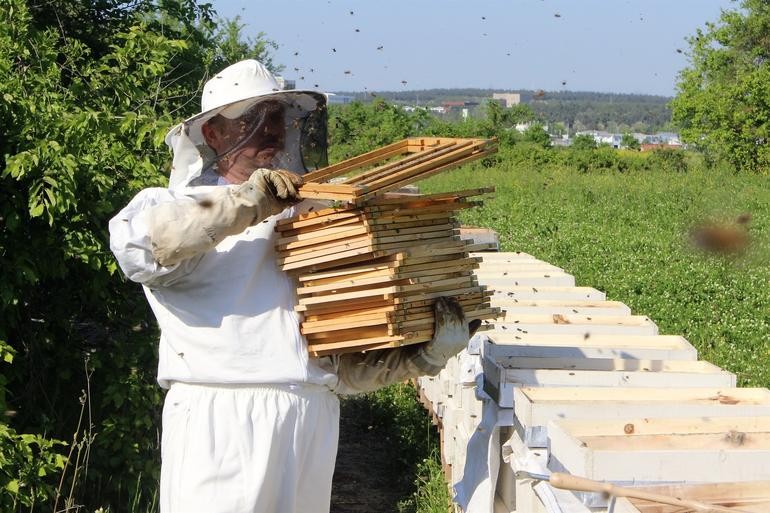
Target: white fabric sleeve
365,372
130,240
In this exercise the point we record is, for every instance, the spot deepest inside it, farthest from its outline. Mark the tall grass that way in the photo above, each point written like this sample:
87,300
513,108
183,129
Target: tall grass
628,234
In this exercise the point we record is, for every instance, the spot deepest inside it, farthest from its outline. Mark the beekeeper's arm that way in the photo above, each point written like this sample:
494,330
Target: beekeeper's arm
365,372
162,234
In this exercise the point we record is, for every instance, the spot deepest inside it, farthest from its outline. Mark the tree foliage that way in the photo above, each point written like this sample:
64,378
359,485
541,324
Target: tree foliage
83,111
583,142
630,142
356,128
723,100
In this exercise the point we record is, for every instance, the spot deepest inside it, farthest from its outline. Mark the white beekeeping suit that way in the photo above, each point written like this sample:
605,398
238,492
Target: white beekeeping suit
250,422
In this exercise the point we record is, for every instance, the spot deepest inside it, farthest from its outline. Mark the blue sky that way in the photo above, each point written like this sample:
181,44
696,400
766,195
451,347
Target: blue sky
621,46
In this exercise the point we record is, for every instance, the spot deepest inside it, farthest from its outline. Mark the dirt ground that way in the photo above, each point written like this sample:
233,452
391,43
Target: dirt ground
365,480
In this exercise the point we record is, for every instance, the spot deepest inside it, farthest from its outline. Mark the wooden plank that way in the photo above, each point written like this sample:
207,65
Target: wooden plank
503,270
446,206
365,336
751,496
383,277
321,277
319,193
741,454
448,153
291,244
530,279
333,307
657,347
326,263
310,231
393,167
664,426
402,267
515,304
393,280
338,314
317,218
425,174
535,406
501,378
360,345
363,244
342,246
585,325
395,198
551,292
506,256
341,168
427,286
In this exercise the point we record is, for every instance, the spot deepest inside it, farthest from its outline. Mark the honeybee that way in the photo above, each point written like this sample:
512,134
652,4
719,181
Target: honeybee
723,238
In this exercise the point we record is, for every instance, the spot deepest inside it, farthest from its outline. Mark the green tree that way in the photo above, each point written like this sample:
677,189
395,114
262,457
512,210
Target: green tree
357,127
233,47
82,119
723,99
630,142
536,134
583,142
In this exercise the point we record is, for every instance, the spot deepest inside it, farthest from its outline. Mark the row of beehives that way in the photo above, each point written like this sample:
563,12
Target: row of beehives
580,385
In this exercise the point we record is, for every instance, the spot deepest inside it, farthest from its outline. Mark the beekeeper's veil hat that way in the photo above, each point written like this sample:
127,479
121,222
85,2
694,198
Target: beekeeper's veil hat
236,92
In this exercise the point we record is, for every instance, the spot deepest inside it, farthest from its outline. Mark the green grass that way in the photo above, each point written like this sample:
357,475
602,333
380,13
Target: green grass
628,235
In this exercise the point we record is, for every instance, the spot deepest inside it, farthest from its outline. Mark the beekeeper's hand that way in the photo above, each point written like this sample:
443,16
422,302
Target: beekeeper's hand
451,334
183,228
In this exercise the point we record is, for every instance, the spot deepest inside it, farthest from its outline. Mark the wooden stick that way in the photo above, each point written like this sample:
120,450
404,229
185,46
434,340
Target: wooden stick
582,484
340,168
392,167
389,198
422,176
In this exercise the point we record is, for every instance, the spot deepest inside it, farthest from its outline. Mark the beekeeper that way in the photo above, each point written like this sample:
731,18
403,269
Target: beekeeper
250,422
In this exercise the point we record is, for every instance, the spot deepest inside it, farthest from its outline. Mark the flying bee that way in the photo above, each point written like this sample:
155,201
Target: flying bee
722,238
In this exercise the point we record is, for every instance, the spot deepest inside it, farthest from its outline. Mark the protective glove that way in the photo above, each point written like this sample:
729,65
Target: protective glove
184,228
450,336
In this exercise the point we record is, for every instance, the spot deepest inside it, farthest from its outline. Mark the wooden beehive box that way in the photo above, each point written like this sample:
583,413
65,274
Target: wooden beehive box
535,406
369,270
504,347
501,378
658,450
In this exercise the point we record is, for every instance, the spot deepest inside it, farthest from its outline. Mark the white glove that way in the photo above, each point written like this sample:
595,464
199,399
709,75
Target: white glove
181,229
451,333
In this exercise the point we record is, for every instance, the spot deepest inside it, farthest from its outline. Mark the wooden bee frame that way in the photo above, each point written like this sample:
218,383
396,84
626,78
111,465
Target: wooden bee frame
372,174
368,272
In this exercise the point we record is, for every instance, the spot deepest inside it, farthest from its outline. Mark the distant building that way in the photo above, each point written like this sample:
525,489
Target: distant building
448,106
509,99
339,99
603,137
452,105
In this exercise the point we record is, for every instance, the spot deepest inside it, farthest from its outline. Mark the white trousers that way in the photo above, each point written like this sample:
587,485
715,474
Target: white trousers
248,448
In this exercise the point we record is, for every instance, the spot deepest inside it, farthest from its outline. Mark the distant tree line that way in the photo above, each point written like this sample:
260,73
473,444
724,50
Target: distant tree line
576,111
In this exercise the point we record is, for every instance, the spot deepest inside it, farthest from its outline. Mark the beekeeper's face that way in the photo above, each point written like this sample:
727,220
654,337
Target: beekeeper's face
251,141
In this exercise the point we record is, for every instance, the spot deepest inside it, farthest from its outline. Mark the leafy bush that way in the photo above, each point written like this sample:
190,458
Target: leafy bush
583,142
670,160
537,135
357,127
83,122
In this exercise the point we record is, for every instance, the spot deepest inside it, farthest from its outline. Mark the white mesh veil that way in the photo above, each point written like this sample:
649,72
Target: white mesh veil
248,85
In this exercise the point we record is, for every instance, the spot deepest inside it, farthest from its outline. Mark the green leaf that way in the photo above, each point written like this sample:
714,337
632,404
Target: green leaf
13,486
